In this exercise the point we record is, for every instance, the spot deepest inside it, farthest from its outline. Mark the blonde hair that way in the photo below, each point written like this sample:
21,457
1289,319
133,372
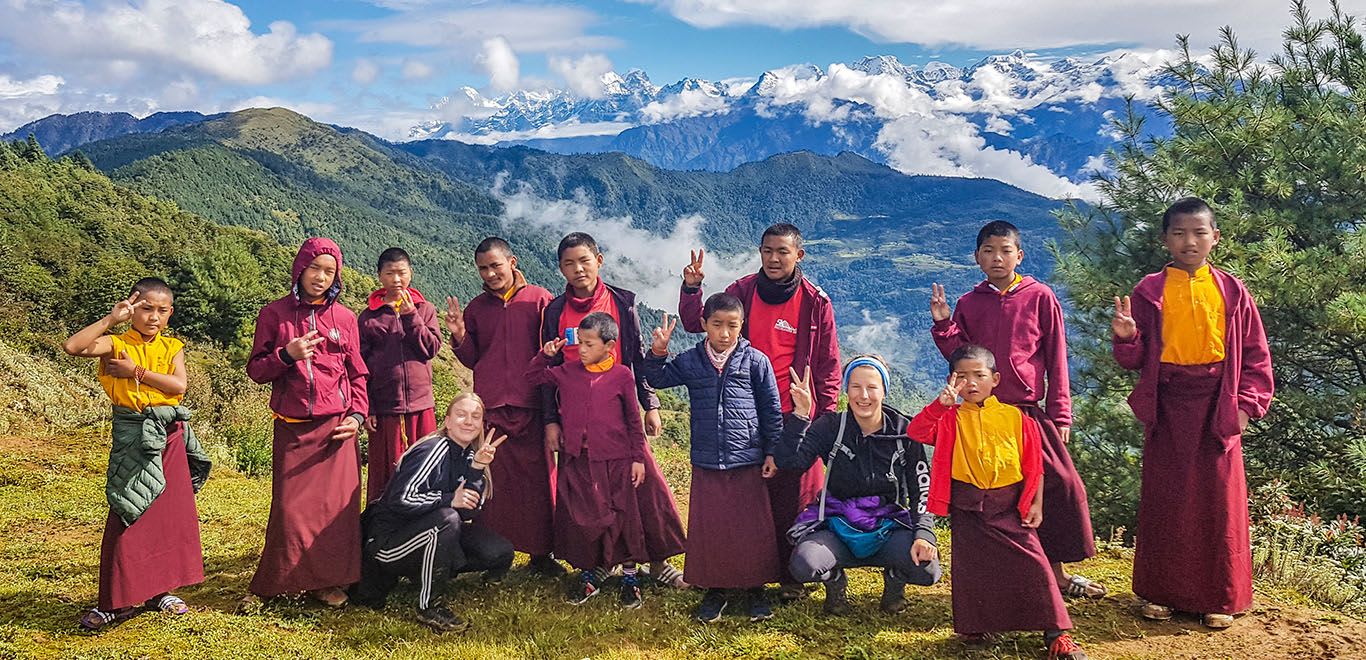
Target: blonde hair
478,439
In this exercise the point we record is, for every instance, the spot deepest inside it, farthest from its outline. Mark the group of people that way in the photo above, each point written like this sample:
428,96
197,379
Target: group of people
785,488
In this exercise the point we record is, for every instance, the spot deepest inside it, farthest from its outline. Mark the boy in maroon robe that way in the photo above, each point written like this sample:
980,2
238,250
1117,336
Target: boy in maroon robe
791,321
585,292
608,504
1019,320
307,347
398,339
1195,336
986,474
495,336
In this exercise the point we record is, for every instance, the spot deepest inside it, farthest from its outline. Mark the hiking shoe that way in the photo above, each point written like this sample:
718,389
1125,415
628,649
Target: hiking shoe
759,607
893,593
630,591
495,576
1063,647
586,586
440,619
836,595
713,604
791,592
546,566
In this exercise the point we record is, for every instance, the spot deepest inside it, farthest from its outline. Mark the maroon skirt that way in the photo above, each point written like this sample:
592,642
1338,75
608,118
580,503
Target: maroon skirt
790,491
313,536
393,435
523,504
1066,533
601,520
160,552
1001,579
1192,551
730,530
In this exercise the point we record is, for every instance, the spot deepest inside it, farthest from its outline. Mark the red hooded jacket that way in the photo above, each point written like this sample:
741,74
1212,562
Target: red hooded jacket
398,350
937,426
333,381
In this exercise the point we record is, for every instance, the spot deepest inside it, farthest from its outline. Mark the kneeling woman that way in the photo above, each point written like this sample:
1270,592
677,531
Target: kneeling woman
872,510
424,526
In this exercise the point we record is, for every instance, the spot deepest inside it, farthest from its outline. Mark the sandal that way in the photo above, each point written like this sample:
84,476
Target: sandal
1155,612
332,597
97,618
668,576
1217,621
1080,587
169,604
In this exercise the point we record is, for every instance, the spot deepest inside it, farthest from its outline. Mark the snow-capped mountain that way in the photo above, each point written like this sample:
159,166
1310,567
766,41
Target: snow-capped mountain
1016,116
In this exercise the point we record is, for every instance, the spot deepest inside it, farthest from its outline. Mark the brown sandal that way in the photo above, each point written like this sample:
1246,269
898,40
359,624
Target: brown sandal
96,618
331,596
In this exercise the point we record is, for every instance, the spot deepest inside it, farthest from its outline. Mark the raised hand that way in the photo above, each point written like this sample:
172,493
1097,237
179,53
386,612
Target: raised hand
800,389
939,303
553,346
123,309
484,455
692,274
404,304
1123,324
659,338
303,348
949,395
455,319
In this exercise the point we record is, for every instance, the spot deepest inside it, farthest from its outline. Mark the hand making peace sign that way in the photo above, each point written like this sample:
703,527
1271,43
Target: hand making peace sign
692,274
659,338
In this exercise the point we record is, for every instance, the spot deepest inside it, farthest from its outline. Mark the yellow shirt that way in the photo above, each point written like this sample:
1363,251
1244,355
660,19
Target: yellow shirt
155,356
1192,318
986,451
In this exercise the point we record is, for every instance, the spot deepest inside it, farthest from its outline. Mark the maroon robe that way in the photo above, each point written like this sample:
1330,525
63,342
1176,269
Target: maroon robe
730,545
160,552
1024,330
523,505
313,536
393,435
1193,551
1002,581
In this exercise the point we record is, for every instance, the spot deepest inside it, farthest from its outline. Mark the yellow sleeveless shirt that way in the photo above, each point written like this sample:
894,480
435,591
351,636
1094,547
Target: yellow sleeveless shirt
155,356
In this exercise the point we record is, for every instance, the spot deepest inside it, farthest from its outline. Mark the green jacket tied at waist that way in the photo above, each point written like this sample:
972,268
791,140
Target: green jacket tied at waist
135,476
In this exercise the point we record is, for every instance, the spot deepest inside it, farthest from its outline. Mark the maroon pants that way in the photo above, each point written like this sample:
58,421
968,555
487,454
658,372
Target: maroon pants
1192,552
523,505
313,536
393,435
160,551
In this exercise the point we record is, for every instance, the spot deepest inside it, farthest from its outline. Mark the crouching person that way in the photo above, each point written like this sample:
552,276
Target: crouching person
424,527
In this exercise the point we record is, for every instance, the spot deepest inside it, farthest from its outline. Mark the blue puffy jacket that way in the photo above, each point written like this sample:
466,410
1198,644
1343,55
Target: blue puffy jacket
736,414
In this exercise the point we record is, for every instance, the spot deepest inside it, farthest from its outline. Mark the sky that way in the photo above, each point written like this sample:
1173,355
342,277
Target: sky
380,65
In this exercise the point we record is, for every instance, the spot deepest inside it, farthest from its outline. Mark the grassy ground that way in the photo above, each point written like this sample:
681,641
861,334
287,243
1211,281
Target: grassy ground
52,510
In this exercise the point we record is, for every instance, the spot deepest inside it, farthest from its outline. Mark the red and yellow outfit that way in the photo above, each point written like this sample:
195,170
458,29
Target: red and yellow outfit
156,356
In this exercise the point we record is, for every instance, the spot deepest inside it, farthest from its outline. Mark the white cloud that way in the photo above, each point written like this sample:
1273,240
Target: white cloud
637,259
529,28
416,70
687,103
880,337
365,71
583,76
208,37
501,63
44,85
561,130
994,24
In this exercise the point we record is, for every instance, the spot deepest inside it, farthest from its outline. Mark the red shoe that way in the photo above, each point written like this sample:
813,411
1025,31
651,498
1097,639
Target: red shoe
1063,648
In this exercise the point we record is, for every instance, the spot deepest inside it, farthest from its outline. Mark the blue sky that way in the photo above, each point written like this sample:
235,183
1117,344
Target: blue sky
379,64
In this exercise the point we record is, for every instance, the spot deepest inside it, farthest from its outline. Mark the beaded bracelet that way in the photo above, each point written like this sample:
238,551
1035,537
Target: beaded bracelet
139,373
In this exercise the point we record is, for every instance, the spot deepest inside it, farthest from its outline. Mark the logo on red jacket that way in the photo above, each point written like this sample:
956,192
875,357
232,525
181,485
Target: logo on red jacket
783,326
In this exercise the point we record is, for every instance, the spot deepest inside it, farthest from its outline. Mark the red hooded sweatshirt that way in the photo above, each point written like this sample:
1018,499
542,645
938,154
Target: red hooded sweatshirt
333,381
398,350
937,426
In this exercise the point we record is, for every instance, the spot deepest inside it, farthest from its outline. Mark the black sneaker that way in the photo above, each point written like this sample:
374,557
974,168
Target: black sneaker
495,576
546,566
713,604
630,592
586,586
837,595
440,619
759,607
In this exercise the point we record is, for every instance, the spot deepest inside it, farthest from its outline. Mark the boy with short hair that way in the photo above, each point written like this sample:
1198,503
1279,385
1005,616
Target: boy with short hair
986,474
151,543
398,339
1195,336
1019,320
495,335
585,293
609,490
791,321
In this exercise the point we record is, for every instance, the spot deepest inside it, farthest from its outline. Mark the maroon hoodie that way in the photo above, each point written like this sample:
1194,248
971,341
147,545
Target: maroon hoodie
500,337
398,350
1024,330
818,344
1247,381
333,381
